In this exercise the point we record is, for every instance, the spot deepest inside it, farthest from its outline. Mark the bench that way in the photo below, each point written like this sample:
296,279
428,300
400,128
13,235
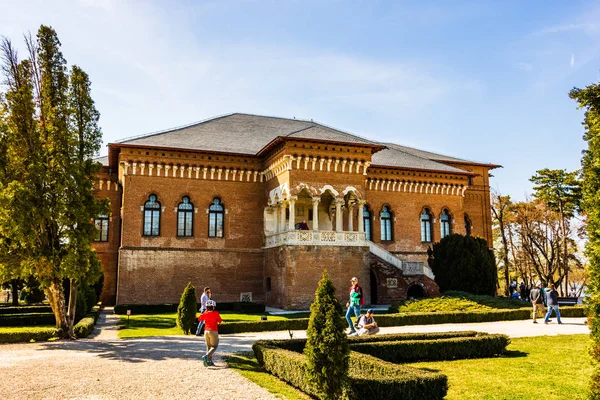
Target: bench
567,301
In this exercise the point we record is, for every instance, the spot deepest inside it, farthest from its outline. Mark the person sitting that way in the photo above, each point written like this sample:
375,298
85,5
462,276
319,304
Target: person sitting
366,324
303,226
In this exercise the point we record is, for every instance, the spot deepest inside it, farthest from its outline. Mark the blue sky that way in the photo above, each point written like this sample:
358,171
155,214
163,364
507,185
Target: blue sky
480,80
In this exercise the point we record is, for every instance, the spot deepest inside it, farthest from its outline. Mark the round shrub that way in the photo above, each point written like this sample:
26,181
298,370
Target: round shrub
464,263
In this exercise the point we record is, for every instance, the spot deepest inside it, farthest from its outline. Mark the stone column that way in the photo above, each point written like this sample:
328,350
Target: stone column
282,216
292,222
338,215
275,218
361,220
350,219
315,201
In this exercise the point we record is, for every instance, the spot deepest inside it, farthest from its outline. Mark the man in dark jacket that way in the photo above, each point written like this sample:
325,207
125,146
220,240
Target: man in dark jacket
552,300
537,301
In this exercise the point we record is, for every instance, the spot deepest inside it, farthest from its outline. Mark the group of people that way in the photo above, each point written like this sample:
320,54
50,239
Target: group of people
541,297
365,324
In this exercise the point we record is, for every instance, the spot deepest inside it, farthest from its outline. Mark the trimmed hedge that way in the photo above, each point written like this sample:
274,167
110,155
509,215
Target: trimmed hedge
86,325
27,336
242,307
297,345
384,320
369,377
25,309
31,319
480,346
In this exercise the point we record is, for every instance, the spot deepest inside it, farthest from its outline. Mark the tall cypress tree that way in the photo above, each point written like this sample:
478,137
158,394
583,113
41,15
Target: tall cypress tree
47,199
327,347
589,99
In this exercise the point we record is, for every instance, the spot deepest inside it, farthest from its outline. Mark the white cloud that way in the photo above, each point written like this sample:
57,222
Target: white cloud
572,60
527,67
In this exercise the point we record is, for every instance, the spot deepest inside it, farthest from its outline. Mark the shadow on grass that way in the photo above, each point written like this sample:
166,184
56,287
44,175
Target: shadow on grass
514,354
244,361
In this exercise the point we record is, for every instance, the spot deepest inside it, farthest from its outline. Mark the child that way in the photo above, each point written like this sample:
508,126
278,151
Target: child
211,319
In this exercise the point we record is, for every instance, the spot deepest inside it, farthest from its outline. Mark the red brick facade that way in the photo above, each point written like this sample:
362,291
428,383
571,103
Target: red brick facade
257,191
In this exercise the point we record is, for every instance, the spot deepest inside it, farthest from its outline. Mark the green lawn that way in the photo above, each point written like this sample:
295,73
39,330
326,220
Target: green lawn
459,301
142,325
248,367
543,367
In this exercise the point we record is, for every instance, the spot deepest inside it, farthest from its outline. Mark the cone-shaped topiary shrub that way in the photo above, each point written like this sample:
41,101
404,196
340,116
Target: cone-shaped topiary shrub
327,347
186,311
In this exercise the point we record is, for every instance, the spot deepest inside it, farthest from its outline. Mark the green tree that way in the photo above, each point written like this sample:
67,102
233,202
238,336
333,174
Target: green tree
186,311
327,347
464,263
589,99
561,191
47,197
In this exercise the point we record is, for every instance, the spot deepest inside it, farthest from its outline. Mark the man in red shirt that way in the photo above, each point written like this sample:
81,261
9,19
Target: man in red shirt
211,319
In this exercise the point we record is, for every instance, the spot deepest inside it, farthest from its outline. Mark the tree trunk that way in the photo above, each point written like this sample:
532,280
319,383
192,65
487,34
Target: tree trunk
72,306
15,292
56,297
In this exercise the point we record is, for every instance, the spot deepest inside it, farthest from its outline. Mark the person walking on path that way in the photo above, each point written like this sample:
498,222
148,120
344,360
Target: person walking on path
356,300
206,295
212,319
537,301
552,300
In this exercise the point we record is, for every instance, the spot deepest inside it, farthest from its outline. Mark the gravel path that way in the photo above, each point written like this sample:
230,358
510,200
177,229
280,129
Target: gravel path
169,367
160,368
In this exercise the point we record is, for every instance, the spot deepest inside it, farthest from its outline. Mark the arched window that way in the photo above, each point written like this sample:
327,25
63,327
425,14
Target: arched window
215,219
185,218
386,224
368,223
426,226
101,223
445,224
468,225
152,216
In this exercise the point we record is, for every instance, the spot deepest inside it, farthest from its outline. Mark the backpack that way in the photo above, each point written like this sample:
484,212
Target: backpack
362,296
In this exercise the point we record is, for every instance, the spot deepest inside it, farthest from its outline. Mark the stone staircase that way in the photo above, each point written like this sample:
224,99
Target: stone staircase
408,268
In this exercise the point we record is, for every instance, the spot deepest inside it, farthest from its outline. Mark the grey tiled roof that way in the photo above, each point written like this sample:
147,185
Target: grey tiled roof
248,134
103,160
241,133
423,153
392,157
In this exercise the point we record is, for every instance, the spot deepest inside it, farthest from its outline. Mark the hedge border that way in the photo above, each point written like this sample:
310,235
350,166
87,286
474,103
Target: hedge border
25,309
86,325
81,330
369,377
456,348
385,320
28,336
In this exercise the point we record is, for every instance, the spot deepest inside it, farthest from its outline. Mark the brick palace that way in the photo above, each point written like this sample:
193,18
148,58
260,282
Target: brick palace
255,207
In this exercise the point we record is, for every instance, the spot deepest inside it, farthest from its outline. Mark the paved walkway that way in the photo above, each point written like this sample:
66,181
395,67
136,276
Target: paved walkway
104,367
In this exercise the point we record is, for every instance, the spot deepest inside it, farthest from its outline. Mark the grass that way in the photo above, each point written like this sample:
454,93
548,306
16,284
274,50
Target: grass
548,367
543,367
459,301
247,366
143,325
